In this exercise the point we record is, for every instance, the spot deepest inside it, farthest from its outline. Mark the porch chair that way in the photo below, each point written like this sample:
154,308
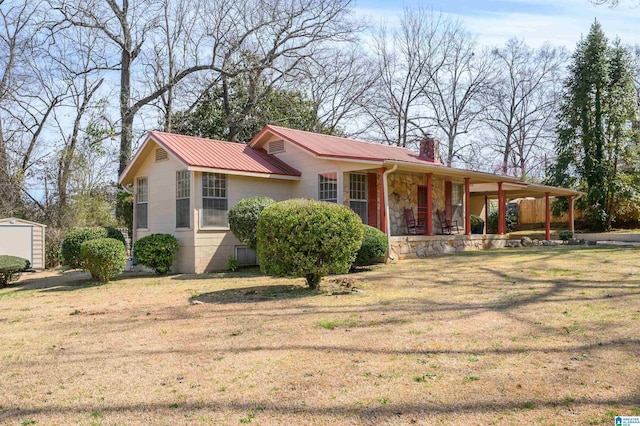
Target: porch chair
412,226
447,226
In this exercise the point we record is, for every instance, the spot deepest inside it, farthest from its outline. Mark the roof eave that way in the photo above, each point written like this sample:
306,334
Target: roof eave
485,177
124,177
243,173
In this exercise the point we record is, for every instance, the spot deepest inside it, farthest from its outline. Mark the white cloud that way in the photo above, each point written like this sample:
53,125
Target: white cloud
565,28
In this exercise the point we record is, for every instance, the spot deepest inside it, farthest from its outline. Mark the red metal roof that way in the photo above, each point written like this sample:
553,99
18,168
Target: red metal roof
337,147
214,154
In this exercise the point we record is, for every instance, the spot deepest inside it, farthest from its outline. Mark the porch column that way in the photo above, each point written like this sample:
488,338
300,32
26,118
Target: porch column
502,214
429,204
571,217
486,215
467,207
383,217
547,217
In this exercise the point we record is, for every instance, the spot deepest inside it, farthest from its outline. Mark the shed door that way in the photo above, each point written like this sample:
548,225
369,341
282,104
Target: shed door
16,241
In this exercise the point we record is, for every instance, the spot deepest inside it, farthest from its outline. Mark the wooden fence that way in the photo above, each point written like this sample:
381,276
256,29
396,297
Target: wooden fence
532,211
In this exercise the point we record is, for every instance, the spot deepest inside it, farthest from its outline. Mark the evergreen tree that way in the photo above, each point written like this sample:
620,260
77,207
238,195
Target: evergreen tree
596,147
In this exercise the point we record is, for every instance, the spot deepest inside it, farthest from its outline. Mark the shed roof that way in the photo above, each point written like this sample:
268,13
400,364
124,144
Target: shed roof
17,220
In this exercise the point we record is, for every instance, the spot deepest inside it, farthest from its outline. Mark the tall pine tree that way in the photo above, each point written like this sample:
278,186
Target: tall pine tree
596,147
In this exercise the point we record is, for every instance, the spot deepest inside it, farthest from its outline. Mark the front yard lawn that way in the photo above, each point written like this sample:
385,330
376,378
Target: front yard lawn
521,336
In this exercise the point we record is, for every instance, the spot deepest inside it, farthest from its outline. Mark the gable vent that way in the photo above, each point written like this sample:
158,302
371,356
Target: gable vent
161,155
276,147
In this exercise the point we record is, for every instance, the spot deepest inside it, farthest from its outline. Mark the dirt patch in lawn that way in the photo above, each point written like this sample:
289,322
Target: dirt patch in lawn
527,336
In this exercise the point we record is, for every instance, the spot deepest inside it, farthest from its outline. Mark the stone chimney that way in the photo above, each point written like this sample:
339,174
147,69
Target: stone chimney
430,149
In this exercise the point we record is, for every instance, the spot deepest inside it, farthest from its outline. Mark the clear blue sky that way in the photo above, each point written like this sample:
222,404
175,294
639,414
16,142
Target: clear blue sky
560,22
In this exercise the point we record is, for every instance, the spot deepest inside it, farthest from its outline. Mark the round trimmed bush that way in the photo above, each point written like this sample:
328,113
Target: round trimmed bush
74,239
306,238
374,246
10,268
103,257
156,251
243,218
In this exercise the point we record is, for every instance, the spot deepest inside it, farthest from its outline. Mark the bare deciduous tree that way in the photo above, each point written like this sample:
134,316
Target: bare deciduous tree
29,91
340,84
406,59
521,114
276,35
456,90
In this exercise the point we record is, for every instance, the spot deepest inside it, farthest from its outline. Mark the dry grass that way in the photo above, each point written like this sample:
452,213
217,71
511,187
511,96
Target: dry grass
527,336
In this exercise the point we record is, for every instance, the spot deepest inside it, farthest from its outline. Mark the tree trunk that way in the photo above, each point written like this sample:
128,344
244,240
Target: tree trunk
126,115
313,281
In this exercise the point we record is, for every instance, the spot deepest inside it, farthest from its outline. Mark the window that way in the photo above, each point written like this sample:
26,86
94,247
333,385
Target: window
142,203
358,195
328,187
214,199
457,209
183,199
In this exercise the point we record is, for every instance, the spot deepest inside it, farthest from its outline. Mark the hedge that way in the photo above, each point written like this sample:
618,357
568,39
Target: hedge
10,268
74,239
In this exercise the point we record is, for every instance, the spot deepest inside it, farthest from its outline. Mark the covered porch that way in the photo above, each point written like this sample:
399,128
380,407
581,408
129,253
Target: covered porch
433,193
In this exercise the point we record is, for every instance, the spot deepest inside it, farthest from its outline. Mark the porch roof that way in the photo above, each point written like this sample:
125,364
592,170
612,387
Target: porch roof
482,182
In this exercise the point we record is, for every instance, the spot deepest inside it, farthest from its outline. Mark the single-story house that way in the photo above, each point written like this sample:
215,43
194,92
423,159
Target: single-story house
185,186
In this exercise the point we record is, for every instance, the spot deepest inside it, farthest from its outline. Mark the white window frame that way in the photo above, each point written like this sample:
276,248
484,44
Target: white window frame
364,192
203,196
142,200
322,187
183,192
457,208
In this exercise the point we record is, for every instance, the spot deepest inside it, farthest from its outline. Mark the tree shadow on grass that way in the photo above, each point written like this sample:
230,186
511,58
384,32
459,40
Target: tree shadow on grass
247,272
68,280
254,294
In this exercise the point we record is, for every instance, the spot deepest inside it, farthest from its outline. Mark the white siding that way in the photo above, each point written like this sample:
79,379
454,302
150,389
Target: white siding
162,206
310,166
214,246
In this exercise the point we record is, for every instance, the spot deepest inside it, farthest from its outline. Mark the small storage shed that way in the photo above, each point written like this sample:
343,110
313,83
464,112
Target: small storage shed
22,238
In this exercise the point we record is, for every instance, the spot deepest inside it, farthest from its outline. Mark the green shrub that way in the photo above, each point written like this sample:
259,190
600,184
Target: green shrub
115,234
156,251
243,218
74,239
103,257
476,221
565,235
232,263
492,222
306,238
10,268
374,246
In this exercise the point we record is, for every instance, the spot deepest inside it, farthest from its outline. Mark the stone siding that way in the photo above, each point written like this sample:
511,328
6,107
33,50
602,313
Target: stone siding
403,193
412,246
